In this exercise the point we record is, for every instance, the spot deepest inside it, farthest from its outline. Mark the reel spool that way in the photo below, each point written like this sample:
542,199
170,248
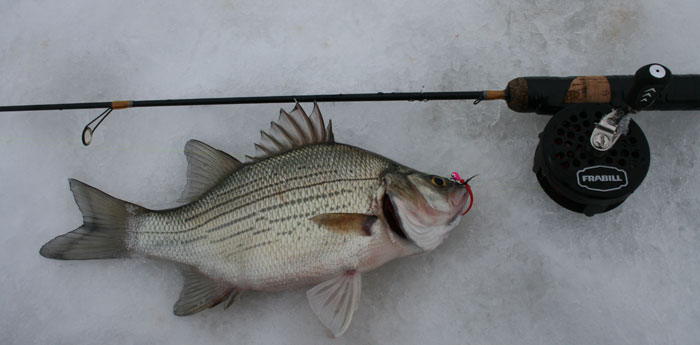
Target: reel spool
579,177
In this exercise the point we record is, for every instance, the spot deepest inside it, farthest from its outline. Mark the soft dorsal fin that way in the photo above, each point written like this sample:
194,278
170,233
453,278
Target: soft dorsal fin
335,301
201,292
206,167
346,223
293,130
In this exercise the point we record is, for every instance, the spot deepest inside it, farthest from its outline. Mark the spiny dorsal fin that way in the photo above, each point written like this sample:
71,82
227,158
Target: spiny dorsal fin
346,223
206,167
200,292
292,130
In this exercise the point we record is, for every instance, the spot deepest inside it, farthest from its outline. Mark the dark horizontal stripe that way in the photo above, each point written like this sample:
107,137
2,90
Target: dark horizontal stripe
262,210
262,231
200,225
259,245
296,216
231,222
233,235
334,172
201,237
258,190
270,196
305,199
251,247
304,215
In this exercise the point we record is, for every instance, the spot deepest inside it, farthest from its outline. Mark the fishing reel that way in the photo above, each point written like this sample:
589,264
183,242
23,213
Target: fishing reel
591,155
580,177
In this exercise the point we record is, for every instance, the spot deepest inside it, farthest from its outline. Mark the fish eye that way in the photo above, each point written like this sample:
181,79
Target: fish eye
438,181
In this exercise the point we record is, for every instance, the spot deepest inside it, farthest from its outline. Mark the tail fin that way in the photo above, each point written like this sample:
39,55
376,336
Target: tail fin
104,231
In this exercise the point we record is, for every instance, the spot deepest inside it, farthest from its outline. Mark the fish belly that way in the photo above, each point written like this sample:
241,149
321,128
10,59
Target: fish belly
254,228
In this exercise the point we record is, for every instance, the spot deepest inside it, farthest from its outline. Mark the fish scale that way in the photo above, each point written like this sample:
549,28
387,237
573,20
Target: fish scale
246,229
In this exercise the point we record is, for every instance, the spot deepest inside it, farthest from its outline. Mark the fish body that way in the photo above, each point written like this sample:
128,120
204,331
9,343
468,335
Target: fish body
255,228
306,210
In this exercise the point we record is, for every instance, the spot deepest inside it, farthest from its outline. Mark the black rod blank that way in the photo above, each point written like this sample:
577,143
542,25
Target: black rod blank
356,97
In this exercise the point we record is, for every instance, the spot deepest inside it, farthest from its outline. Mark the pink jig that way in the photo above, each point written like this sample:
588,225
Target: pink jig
456,178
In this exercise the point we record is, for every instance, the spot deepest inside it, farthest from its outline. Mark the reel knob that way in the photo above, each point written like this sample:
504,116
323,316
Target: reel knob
649,82
581,178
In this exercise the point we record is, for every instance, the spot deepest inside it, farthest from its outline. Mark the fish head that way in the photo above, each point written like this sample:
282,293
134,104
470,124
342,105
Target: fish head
423,208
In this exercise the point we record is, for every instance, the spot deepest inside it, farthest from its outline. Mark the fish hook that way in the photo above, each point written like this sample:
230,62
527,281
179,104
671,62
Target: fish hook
87,131
457,179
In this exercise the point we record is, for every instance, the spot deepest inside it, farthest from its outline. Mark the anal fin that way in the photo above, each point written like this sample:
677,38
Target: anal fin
201,292
335,301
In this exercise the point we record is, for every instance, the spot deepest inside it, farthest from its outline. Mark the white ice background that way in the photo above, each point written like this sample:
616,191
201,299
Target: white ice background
518,270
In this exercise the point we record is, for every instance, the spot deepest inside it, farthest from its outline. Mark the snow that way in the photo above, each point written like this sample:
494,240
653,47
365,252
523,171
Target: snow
519,269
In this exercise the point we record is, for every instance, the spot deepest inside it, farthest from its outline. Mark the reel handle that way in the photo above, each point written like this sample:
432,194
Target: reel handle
648,83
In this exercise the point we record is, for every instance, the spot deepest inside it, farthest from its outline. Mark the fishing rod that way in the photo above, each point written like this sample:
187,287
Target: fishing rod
543,95
356,97
591,155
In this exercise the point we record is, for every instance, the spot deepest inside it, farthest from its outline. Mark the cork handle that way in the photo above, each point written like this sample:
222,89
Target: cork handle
595,89
516,95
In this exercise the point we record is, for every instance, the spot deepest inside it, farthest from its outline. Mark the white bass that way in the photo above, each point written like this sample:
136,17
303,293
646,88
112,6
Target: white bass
305,211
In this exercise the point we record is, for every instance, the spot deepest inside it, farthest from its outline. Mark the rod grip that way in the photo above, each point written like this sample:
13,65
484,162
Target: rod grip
548,95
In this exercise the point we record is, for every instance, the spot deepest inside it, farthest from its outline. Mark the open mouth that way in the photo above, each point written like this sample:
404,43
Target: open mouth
392,218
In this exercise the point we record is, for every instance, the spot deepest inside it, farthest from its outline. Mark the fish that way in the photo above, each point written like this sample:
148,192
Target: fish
305,211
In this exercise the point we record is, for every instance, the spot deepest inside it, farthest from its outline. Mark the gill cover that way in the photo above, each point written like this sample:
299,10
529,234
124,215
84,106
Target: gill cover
425,210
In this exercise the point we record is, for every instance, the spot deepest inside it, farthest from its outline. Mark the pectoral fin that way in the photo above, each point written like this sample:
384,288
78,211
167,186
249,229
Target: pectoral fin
334,301
346,223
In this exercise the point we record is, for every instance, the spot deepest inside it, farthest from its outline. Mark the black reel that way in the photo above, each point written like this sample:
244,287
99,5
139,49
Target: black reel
581,178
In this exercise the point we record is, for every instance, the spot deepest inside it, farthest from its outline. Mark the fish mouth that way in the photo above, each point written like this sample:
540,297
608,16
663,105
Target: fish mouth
391,216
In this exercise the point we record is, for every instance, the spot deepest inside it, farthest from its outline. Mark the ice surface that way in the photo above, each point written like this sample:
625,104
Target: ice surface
518,270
